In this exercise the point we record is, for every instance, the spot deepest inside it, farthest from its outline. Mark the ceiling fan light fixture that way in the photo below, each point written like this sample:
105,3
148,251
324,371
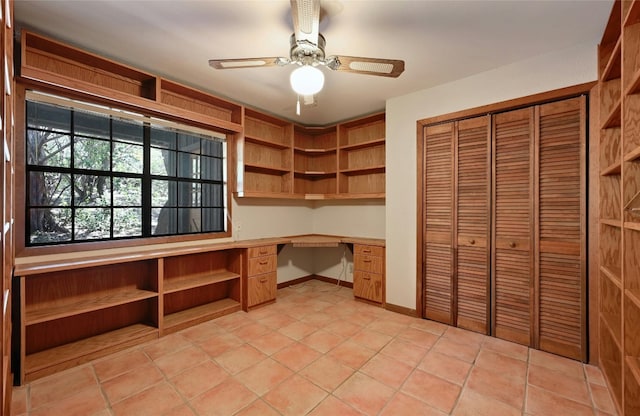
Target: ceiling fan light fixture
307,80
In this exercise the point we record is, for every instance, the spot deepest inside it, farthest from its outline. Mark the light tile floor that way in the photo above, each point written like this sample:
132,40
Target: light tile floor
316,351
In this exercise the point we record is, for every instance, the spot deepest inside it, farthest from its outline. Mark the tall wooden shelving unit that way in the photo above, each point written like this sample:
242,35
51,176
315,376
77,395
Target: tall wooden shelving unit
282,160
7,180
619,201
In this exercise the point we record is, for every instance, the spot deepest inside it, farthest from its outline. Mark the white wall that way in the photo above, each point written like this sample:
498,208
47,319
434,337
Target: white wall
539,74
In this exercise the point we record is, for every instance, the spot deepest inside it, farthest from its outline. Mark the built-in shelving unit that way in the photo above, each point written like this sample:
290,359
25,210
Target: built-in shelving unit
315,162
362,157
619,228
200,287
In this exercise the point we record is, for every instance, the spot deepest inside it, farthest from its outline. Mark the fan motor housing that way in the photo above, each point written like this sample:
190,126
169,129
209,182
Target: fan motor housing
307,53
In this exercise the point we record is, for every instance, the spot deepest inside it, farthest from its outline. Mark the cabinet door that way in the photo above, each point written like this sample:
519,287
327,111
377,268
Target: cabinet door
561,199
512,274
472,223
438,223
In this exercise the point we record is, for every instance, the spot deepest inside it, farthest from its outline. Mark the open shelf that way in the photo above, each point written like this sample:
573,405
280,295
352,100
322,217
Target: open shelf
314,151
191,281
362,145
178,320
66,356
314,173
266,142
613,119
632,155
632,15
364,171
614,66
613,169
269,170
75,305
634,83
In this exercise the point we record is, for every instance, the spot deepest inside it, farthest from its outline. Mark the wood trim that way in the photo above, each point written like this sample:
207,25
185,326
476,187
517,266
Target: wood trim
454,226
584,235
402,310
492,261
420,152
526,101
594,234
490,212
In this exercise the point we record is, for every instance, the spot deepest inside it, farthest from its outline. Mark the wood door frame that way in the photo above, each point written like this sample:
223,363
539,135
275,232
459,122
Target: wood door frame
421,124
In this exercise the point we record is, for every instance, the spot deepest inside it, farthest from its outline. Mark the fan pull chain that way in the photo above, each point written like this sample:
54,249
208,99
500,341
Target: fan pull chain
298,106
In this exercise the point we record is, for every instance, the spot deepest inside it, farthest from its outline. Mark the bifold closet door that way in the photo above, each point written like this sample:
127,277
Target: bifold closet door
561,223
513,219
438,223
473,185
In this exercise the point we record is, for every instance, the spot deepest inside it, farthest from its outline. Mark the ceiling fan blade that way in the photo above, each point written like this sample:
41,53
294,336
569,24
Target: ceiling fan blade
370,66
247,62
306,20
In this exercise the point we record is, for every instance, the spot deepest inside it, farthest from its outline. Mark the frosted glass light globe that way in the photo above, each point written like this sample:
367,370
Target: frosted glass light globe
307,80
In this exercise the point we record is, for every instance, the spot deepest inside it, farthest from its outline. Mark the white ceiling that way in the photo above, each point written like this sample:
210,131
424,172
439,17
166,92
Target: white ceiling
440,41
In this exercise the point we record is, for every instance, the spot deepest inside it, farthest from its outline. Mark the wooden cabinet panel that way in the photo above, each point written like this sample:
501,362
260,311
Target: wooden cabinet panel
261,288
368,273
438,222
262,251
367,285
264,264
473,189
561,213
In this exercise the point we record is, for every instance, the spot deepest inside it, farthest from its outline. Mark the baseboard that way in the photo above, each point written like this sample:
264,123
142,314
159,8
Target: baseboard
316,277
402,310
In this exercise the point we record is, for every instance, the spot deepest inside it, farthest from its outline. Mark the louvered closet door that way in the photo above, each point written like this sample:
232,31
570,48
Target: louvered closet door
473,223
438,222
513,224
561,293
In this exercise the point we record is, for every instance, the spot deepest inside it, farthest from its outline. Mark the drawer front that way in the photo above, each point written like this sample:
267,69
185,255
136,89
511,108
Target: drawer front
367,286
368,250
367,263
262,251
261,265
261,288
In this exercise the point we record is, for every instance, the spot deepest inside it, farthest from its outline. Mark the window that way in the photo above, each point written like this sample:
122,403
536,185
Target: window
95,173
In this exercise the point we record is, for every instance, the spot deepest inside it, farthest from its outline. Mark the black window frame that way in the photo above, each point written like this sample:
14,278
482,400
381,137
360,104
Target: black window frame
209,214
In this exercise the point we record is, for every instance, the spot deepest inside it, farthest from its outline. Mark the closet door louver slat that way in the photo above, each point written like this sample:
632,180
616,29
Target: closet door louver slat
438,202
473,221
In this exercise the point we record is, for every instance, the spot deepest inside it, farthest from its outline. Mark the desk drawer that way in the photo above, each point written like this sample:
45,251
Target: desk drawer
261,265
368,250
366,263
261,288
367,286
262,251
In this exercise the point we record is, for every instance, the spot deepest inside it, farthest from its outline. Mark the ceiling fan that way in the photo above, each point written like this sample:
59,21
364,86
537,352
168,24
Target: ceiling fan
307,51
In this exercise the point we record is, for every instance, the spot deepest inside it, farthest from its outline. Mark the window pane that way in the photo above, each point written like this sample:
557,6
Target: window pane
189,220
164,193
213,219
92,190
188,166
188,143
92,223
90,124
188,194
49,189
49,225
212,195
127,131
127,158
48,148
164,221
48,117
212,147
127,222
165,139
127,192
91,154
163,162
211,168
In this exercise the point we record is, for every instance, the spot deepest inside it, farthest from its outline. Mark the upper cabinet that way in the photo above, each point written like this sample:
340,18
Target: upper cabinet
278,159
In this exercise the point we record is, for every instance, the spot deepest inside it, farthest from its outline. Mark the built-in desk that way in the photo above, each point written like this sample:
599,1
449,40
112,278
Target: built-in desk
75,307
